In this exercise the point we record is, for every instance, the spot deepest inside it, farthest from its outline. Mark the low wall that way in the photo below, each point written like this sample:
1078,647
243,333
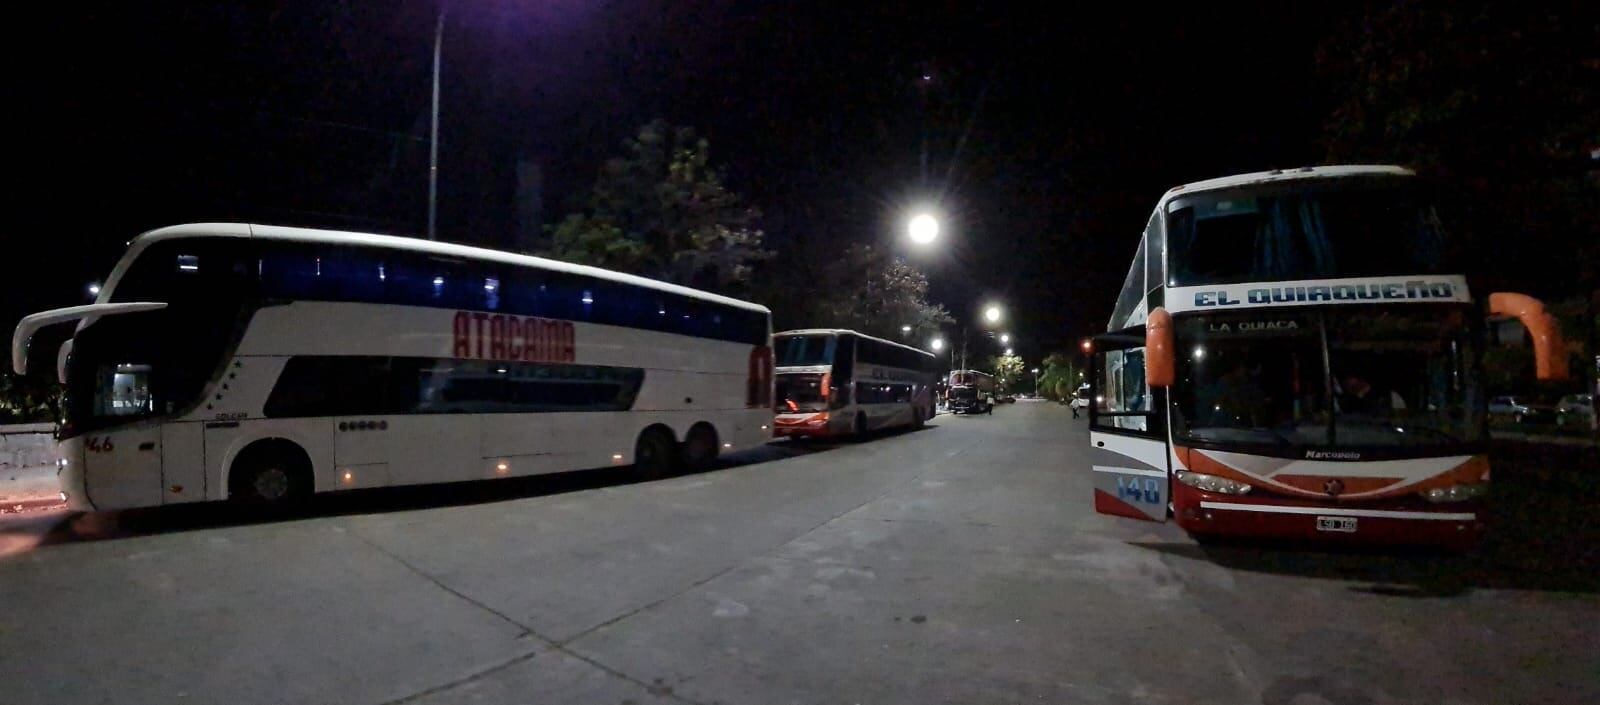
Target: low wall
26,446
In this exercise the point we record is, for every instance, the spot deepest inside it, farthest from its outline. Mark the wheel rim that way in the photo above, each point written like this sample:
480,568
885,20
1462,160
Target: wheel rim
271,484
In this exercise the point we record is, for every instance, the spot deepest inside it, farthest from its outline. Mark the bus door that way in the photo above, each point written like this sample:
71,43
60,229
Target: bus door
1127,435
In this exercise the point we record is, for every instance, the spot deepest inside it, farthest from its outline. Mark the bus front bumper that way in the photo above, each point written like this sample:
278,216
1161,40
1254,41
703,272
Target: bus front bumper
1413,523
805,425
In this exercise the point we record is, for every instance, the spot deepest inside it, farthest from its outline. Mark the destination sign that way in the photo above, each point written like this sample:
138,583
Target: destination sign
1318,293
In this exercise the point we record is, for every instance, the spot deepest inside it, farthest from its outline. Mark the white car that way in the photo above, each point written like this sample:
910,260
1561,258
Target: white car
1519,409
1575,410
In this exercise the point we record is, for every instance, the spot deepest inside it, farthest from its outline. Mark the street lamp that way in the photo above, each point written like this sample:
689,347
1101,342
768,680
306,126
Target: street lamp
94,289
1008,352
937,344
433,133
905,329
1005,338
1087,346
992,313
923,228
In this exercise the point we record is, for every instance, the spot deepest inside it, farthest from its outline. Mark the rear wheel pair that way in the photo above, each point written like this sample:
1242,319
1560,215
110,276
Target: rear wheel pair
657,455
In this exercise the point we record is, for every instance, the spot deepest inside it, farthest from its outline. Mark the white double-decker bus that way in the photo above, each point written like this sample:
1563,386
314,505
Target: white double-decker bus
266,363
838,382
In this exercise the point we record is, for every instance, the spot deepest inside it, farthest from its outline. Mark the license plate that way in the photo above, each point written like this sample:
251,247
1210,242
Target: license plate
1345,525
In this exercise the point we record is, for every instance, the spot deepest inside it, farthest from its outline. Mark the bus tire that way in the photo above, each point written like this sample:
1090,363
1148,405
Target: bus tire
654,454
859,430
700,447
270,473
916,417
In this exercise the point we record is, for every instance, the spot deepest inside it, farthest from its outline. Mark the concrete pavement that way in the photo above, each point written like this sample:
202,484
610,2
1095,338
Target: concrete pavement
959,564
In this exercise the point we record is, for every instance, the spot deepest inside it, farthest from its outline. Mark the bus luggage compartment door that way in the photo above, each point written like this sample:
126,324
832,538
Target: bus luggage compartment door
1124,485
122,468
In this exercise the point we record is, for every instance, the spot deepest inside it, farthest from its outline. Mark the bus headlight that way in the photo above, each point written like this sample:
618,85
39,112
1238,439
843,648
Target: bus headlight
1456,493
1212,483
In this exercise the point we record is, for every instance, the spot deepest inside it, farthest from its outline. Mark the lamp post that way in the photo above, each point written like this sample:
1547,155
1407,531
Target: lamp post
433,133
1036,381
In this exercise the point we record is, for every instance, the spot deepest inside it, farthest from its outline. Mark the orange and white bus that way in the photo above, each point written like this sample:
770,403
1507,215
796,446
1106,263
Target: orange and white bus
839,382
1292,356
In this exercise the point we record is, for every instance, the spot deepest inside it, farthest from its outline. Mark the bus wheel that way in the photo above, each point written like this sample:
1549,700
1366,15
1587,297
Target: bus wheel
272,473
916,417
860,429
700,447
654,454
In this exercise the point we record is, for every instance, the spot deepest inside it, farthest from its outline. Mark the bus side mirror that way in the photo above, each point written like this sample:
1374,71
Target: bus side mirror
1159,362
1549,350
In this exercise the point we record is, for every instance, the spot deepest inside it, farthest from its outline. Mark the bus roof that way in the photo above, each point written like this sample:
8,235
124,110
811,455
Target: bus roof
836,331
1279,175
411,244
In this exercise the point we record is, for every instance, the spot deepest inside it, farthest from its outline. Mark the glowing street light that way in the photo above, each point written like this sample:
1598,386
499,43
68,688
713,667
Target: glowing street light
1008,352
992,313
937,344
923,228
905,329
1005,338
94,289
1087,346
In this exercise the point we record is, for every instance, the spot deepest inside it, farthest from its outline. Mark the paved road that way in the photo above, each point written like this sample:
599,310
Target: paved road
958,564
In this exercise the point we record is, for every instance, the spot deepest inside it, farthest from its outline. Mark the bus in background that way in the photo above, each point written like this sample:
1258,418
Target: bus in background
971,392
1292,356
839,382
264,364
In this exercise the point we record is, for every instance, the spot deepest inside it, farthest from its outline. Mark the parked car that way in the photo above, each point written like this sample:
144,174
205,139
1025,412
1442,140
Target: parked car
1575,410
1006,399
1520,409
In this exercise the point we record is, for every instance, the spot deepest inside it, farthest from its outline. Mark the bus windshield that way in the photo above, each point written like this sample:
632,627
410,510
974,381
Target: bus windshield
803,350
1335,229
155,363
799,392
1363,378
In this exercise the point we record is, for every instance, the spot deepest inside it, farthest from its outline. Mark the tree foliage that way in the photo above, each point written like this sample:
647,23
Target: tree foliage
1499,100
1059,372
663,211
1007,371
28,400
861,288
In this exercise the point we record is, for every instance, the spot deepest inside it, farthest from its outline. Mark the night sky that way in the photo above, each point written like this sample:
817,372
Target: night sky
1050,136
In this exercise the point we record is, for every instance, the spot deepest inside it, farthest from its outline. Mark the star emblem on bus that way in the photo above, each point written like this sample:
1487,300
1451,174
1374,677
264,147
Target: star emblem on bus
1334,487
